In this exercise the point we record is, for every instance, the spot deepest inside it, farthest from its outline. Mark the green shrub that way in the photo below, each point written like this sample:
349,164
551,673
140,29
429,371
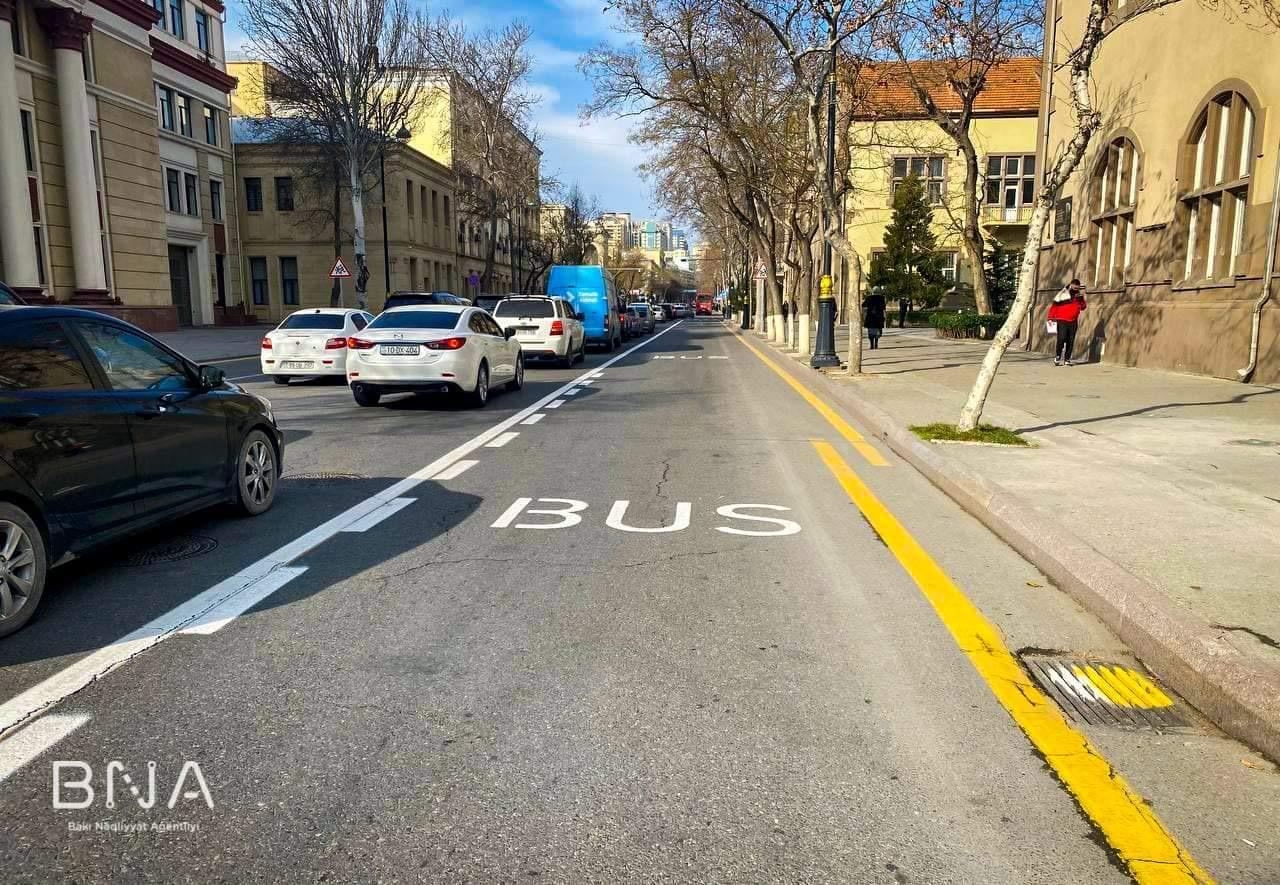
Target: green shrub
965,325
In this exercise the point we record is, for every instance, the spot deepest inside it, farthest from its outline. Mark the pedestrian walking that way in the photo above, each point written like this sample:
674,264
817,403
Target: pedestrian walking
873,311
786,310
904,308
1064,318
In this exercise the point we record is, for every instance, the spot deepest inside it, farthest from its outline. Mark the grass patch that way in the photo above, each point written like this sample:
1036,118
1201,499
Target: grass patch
985,433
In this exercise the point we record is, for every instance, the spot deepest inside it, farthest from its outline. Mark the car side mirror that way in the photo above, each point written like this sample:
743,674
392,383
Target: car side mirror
211,377
508,332
579,316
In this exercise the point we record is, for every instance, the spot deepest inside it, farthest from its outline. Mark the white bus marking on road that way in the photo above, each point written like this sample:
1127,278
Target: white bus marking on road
535,418
499,441
454,470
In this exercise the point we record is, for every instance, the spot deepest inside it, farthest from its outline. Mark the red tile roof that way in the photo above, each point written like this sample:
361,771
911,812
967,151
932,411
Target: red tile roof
885,90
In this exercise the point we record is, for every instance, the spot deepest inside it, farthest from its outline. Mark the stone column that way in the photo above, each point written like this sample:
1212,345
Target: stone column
67,29
16,239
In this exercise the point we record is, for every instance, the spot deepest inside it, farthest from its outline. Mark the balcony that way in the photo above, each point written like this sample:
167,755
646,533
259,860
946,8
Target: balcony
997,216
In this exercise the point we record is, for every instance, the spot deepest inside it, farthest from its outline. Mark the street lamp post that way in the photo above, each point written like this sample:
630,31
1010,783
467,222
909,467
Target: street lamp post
824,349
402,136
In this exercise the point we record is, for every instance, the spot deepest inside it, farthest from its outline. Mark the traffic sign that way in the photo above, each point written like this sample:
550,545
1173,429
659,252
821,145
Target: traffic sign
339,270
761,271
474,279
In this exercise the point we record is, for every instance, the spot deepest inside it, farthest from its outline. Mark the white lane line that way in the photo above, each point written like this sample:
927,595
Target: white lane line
233,607
586,381
717,357
555,404
99,663
456,469
534,419
663,356
599,374
389,509
25,745
247,377
573,391
499,441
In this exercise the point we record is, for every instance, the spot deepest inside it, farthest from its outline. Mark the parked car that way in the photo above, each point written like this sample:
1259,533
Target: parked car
634,325
647,321
408,299
592,292
489,302
104,432
660,313
8,296
311,342
547,328
433,348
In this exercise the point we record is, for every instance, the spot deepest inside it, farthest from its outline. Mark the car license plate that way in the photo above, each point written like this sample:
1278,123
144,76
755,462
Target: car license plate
399,349
296,364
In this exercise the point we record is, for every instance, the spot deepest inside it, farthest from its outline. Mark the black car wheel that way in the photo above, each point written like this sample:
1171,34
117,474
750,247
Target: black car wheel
280,379
518,381
365,395
257,473
23,566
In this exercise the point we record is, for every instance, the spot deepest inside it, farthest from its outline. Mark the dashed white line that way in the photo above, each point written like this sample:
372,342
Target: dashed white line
499,441
233,607
596,375
25,745
212,605
573,391
456,469
364,523
555,404
535,418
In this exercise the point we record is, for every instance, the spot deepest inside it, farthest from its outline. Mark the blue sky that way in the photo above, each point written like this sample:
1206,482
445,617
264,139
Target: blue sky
597,156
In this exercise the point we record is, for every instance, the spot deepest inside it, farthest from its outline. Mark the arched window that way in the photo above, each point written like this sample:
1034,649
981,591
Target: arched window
1113,199
1216,166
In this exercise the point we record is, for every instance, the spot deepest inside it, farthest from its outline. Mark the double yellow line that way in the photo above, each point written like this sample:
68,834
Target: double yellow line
1150,852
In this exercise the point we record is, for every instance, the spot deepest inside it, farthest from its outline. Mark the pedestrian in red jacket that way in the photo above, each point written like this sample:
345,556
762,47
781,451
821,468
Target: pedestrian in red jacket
1065,313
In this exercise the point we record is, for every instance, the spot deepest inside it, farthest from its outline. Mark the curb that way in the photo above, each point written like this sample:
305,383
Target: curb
1237,692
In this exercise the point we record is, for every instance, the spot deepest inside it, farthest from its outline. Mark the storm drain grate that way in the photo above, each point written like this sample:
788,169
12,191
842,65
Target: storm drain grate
1101,693
172,549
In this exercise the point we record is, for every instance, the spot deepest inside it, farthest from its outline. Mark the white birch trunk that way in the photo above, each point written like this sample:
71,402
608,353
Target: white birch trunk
358,232
805,345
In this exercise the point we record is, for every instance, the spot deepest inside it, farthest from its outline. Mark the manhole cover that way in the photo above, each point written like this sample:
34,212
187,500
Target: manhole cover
1101,693
172,550
321,477
1253,442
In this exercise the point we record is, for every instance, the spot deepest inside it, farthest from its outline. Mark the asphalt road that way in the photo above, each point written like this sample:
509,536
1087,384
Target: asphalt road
468,690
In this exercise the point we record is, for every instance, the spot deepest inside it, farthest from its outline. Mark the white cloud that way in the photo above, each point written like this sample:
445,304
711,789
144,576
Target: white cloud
548,56
547,95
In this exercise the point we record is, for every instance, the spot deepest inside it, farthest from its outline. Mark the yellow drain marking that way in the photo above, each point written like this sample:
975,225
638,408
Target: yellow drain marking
1151,853
864,448
1123,687
1144,688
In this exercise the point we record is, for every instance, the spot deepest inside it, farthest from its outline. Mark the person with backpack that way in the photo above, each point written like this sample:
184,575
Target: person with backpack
1064,318
873,311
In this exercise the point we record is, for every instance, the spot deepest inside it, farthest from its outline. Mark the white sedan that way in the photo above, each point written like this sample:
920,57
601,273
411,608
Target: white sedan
311,342
433,348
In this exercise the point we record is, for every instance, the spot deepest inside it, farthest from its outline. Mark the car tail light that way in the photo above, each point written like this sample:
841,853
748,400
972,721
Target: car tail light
359,344
266,344
557,327
447,344
335,344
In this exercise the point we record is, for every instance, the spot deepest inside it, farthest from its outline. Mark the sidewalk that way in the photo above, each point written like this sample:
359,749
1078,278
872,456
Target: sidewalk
212,343
1174,478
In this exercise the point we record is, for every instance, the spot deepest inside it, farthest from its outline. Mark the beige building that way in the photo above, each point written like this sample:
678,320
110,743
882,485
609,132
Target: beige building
1168,219
288,242
895,138
115,168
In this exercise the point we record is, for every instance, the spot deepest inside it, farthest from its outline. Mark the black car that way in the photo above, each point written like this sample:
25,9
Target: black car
413,299
8,296
104,431
489,302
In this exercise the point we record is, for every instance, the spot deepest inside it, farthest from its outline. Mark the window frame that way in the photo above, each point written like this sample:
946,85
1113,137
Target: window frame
290,296
254,190
177,19
182,105
212,130
35,189
203,33
173,190
1117,174
1224,130
166,107
284,193
216,207
191,191
255,261
926,176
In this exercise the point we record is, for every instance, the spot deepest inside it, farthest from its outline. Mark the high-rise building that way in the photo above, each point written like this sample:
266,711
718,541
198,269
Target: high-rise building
653,235
616,227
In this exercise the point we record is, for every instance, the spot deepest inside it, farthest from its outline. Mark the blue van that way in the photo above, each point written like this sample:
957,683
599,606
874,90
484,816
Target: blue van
594,295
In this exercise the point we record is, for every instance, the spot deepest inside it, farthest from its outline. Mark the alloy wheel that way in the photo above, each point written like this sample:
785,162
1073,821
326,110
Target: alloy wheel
258,472
17,568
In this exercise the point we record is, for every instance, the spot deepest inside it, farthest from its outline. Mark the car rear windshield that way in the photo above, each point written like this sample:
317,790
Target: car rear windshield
410,299
641,309
416,319
525,307
314,321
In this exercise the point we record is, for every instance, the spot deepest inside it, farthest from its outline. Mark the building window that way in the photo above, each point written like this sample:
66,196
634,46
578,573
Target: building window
447,222
1217,166
253,194
947,264
210,125
202,30
289,280
215,199
164,96
1011,183
1112,198
422,206
220,275
435,208
31,153
15,30
184,113
258,280
930,171
158,5
177,24
95,144
192,187
284,193
173,190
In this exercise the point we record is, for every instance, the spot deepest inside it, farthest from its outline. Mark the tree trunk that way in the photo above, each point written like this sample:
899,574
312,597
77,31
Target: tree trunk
357,236
486,283
855,314
805,303
1087,122
335,291
971,242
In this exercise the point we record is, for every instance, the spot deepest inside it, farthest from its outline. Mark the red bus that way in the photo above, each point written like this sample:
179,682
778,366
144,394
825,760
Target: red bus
703,304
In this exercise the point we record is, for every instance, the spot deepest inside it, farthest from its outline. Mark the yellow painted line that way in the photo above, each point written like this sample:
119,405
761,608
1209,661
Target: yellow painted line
1151,853
1144,688
1112,675
857,440
1094,678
